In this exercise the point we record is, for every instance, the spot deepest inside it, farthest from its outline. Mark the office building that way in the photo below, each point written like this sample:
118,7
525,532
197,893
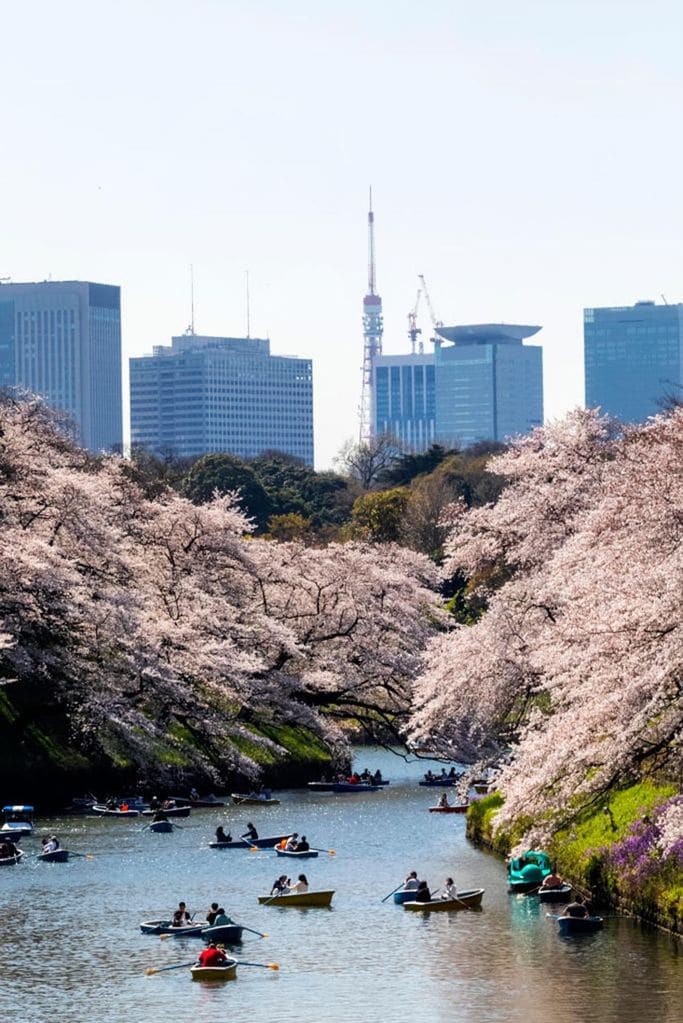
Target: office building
204,394
633,358
62,340
489,385
403,395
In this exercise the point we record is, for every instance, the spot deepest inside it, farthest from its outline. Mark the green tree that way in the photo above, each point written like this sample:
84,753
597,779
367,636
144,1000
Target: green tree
378,516
223,474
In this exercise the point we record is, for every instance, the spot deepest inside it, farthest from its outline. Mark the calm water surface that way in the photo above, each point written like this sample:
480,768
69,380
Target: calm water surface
72,949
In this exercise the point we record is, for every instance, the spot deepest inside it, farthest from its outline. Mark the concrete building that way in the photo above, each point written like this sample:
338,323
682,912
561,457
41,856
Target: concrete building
633,358
62,340
489,385
205,394
404,399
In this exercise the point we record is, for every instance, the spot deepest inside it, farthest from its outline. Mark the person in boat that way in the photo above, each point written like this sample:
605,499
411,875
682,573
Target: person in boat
159,815
449,890
443,800
194,795
377,777
423,893
302,845
353,779
251,833
51,844
411,882
222,919
168,804
443,773
576,908
366,776
551,880
110,804
181,917
300,887
265,794
221,835
212,914
124,807
280,886
154,803
429,776
212,955
452,773
292,842
8,850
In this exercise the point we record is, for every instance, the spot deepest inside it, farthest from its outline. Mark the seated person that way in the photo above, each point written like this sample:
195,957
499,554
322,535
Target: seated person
423,893
443,799
181,918
280,886
222,919
302,845
292,842
377,777
251,833
411,882
452,773
212,914
159,815
300,887
212,956
221,835
551,880
429,776
449,890
576,908
52,844
194,795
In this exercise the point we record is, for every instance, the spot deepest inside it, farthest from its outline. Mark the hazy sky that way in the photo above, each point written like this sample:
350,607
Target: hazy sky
525,156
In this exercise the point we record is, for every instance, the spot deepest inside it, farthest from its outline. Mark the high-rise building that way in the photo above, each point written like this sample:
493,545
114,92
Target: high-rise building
633,358
404,399
489,385
62,340
206,394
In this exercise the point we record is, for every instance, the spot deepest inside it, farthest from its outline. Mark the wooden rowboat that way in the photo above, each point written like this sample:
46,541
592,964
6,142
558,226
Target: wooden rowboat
297,899
56,856
452,808
305,854
226,972
253,800
579,924
245,843
466,900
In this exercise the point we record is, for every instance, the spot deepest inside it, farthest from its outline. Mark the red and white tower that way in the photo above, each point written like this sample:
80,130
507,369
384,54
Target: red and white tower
373,329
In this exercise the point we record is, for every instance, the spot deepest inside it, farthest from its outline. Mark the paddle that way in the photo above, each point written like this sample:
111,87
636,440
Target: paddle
86,856
252,931
160,969
265,966
392,893
332,852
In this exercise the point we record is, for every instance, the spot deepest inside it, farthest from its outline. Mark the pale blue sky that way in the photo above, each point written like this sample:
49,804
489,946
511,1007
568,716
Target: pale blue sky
525,156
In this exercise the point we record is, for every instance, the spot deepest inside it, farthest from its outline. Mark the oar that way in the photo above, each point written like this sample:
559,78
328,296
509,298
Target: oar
252,931
392,893
86,856
265,966
332,852
160,969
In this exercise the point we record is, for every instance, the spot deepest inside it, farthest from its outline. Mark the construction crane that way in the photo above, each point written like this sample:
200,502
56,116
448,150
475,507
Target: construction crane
435,323
413,329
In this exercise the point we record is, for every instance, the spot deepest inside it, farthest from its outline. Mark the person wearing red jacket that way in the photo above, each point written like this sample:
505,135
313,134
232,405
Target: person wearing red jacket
212,956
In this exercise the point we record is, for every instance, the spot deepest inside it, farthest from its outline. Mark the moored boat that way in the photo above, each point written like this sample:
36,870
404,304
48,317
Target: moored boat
106,811
562,893
55,856
253,800
465,900
451,808
298,899
226,972
161,827
579,924
242,843
18,821
305,854
170,811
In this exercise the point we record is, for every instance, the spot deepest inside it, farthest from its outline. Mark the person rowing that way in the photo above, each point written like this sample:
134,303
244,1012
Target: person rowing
551,880
576,908
302,845
181,917
449,890
292,842
212,956
411,882
280,886
251,833
212,914
159,815
443,801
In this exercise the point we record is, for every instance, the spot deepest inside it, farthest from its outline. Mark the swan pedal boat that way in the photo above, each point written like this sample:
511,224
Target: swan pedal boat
527,871
297,899
253,800
226,972
305,854
246,843
56,856
451,808
465,900
579,924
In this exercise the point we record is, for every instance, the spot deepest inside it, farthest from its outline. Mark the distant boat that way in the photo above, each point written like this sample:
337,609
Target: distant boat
569,925
254,800
18,821
55,856
107,811
160,827
247,843
465,900
451,808
298,899
213,973
170,811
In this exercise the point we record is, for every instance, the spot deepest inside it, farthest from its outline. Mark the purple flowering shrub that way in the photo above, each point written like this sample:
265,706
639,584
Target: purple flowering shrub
649,859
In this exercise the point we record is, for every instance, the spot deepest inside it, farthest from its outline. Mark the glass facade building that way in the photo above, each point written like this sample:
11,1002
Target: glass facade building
404,399
489,385
206,394
62,340
633,358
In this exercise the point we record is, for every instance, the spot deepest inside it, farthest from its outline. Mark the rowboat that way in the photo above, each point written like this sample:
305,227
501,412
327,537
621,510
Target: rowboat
105,811
226,972
253,800
166,927
466,900
198,804
244,843
440,782
297,899
359,786
527,871
560,894
481,787
10,861
305,854
18,821
401,897
331,786
452,808
56,856
579,924
161,827
170,811
230,934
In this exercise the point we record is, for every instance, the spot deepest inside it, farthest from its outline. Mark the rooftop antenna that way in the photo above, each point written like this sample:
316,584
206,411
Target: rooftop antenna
246,275
191,300
663,298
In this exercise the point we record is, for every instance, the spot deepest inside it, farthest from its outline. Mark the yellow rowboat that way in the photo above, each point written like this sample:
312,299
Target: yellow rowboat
465,900
227,972
297,899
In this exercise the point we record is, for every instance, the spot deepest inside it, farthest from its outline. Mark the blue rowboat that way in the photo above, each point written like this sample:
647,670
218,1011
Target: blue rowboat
230,934
56,856
305,854
348,786
401,897
160,827
569,925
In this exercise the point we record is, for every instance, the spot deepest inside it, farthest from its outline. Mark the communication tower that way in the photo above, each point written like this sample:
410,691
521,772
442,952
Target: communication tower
373,329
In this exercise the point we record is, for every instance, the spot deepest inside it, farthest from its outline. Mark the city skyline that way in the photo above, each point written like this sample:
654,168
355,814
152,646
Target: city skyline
527,165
